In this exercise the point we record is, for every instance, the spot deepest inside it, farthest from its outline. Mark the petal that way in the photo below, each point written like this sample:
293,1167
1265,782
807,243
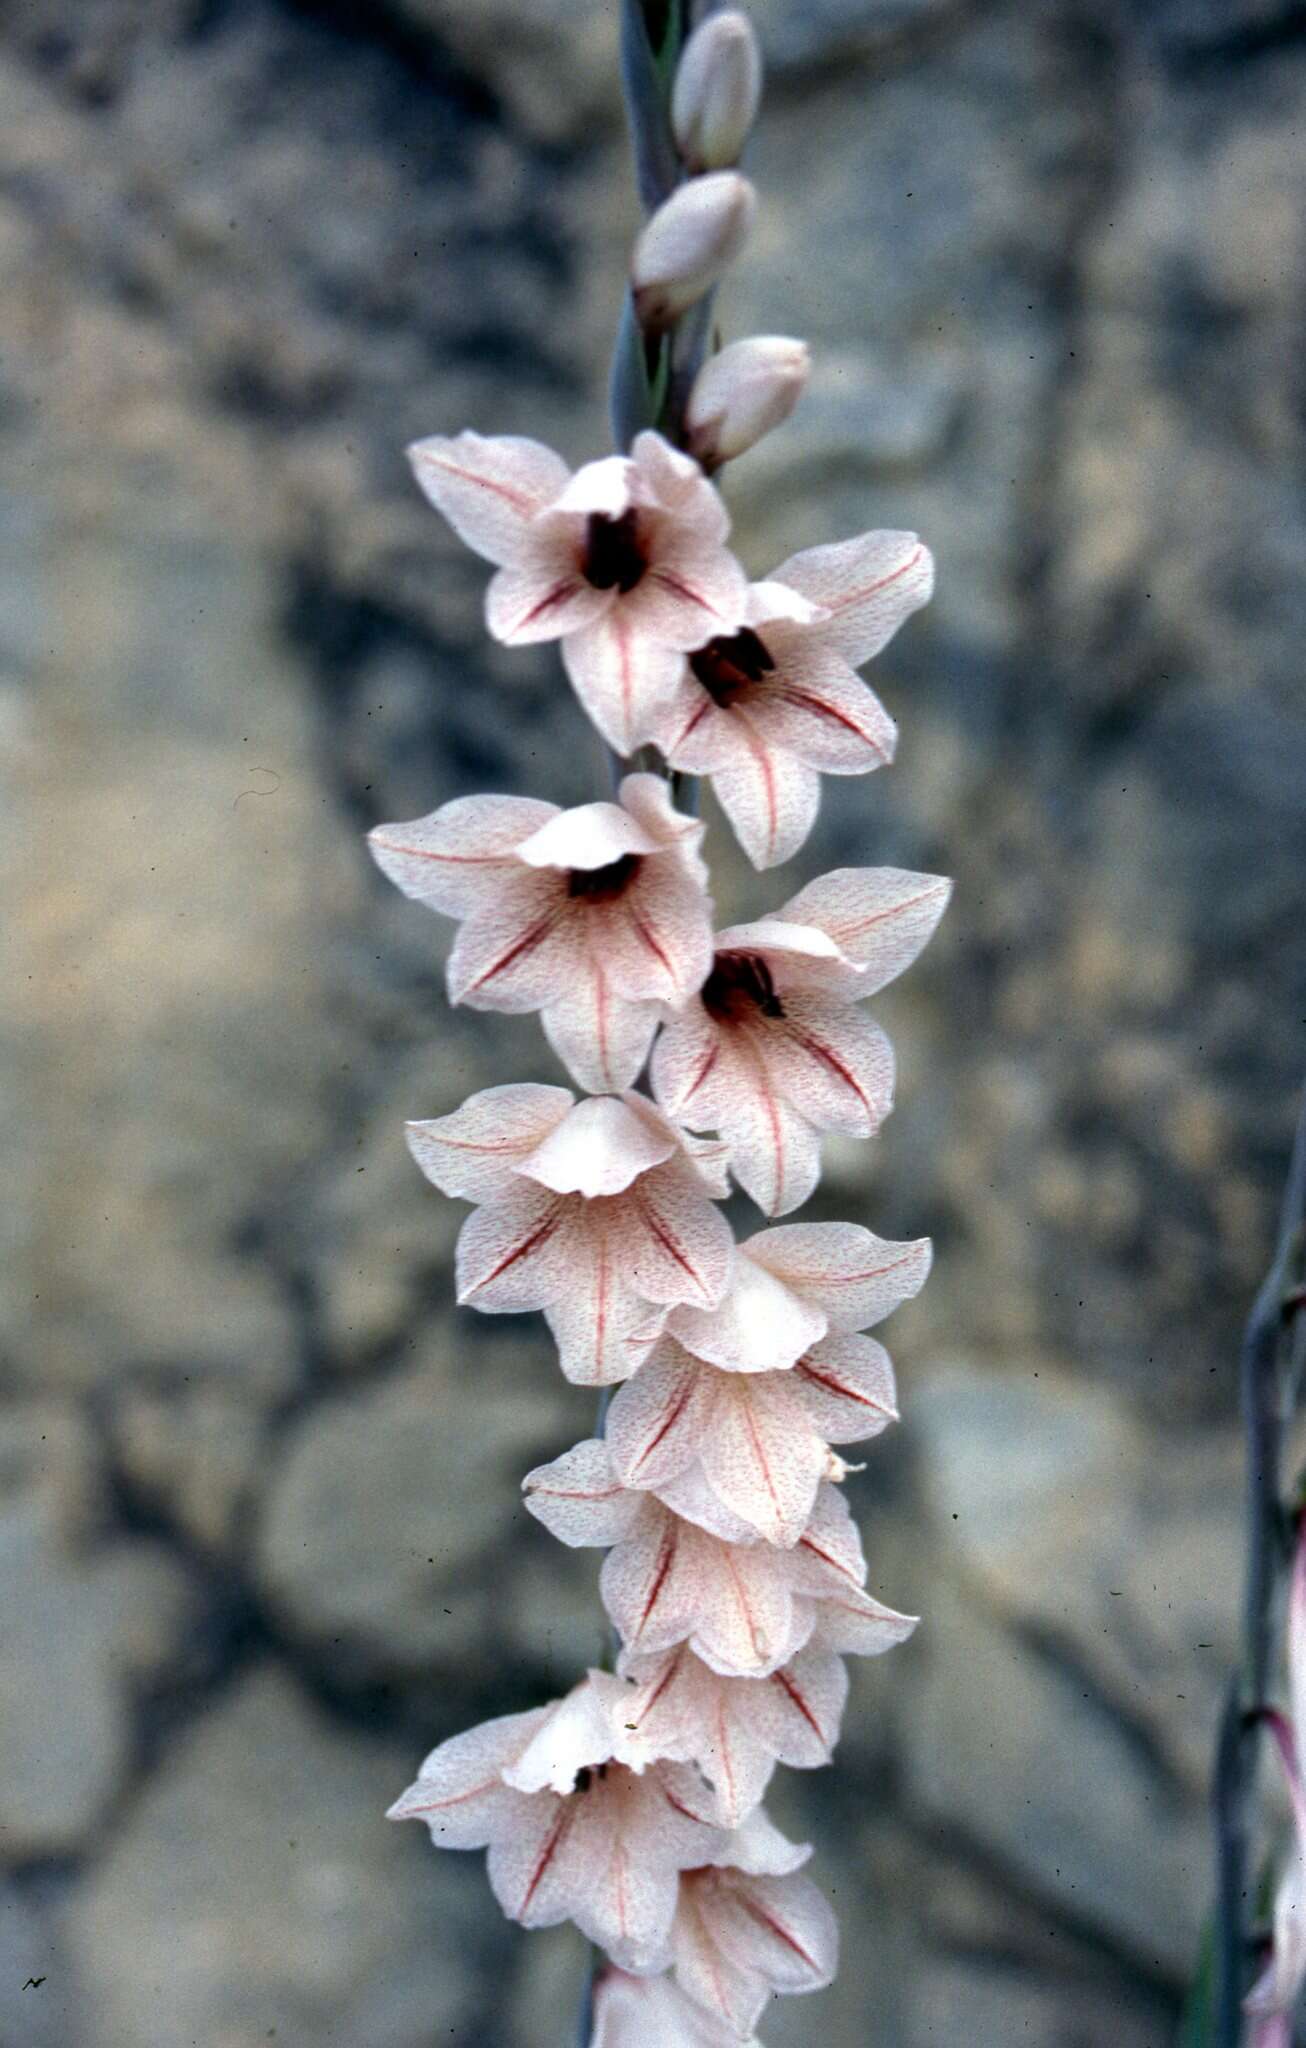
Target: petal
590,836
760,1325
516,1254
460,1792
489,489
523,1863
575,1733
869,585
472,1153
855,1623
880,917
692,732
621,676
687,1071
647,1582
653,2012
648,800
676,1245
601,1147
758,1848
601,1038
457,858
830,1062
690,593
679,486
605,489
818,708
734,1996
828,1555
847,1387
770,797
580,1500
782,1927
658,1420
602,1329
761,1455
855,1277
541,595
796,1714
745,1620
689,1496
518,952
657,939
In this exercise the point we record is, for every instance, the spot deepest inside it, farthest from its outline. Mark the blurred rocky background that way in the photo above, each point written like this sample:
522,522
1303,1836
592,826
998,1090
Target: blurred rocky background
259,1539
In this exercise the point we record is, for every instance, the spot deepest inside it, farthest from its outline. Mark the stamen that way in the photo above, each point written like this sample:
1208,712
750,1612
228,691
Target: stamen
740,982
606,884
727,665
613,558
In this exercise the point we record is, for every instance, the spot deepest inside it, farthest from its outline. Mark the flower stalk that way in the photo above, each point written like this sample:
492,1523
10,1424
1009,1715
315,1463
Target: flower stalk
727,1372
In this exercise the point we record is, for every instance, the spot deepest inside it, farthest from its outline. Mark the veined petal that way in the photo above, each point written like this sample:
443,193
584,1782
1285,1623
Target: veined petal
828,1556
601,1037
575,1733
542,595
689,594
580,1500
590,836
488,488
602,1329
847,1387
693,733
853,1622
819,708
735,1997
758,1848
745,1622
679,486
761,1455
523,1863
676,1246
515,953
457,858
770,797
782,1927
657,1422
648,1582
653,2012
842,1269
879,917
689,1496
602,1147
830,1062
869,586
657,939
516,1254
621,675
472,1153
796,1714
460,1791
761,1324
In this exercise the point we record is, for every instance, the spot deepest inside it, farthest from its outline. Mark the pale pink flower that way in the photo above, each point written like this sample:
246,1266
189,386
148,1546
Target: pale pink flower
653,2012
768,708
598,1212
773,1050
795,1283
1279,1986
572,1834
625,562
743,1933
735,1729
761,1439
595,916
686,1570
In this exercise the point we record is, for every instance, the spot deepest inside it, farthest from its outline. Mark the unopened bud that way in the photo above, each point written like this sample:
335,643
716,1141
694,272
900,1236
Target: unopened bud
688,245
742,393
718,85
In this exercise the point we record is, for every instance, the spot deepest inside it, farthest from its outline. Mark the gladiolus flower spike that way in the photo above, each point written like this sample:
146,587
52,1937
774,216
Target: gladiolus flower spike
734,1577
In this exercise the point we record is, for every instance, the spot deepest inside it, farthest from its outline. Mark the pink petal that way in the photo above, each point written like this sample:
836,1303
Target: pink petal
658,1420
758,1848
690,593
880,917
459,1791
517,952
770,797
828,1555
601,1147
516,1254
676,1245
761,1455
601,1038
782,1927
647,1582
842,1269
686,1067
653,2012
605,488
602,1329
472,1153
590,836
621,675
457,858
692,732
796,1714
580,1500
523,1863
737,1765
734,1996
761,1325
656,941
648,800
689,1496
574,1734
745,1622
853,1622
542,595
677,484
817,707
830,1062
847,1386
869,585
489,489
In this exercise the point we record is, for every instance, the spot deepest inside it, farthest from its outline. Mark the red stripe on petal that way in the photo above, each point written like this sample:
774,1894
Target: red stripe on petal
525,1248
884,583
672,1419
666,1558
526,944
660,1232
777,1927
547,1854
831,1060
700,1077
787,1686
806,1370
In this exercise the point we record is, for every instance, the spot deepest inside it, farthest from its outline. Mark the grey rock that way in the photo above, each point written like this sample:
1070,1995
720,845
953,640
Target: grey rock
256,1892
193,1456
41,2004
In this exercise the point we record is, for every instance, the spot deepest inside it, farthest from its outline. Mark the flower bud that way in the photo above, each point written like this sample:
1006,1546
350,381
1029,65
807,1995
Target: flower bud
742,393
714,99
688,245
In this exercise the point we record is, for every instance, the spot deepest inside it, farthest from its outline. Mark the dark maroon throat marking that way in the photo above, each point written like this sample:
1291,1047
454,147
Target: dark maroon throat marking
606,884
613,557
727,665
738,983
